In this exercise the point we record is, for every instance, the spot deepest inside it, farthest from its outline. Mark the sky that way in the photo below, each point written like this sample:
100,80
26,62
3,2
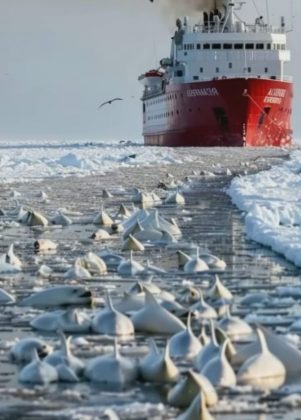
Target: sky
59,59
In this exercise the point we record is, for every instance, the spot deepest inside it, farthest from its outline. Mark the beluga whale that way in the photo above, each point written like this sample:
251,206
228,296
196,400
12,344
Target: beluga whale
110,321
112,370
263,370
59,295
155,319
38,372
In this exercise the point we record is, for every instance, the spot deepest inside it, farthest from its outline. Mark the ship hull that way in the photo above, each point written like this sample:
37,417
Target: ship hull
226,112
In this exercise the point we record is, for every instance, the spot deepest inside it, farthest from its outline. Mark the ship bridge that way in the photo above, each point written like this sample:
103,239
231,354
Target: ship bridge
224,46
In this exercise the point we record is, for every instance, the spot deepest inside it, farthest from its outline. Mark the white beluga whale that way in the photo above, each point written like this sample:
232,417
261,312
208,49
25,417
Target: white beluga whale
72,321
189,295
279,347
11,258
219,371
77,271
44,245
160,368
175,198
130,303
147,234
113,369
213,262
34,218
100,235
22,351
65,356
65,372
129,267
111,322
93,264
208,352
61,219
47,321
103,219
154,319
197,410
184,392
38,372
132,244
185,344
59,295
263,370
123,212
151,357
202,310
196,265
235,327
140,287
219,291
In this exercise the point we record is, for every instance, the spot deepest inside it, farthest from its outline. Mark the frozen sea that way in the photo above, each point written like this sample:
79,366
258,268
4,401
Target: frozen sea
263,184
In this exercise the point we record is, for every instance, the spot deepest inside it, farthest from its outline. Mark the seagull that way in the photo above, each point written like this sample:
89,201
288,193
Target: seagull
109,102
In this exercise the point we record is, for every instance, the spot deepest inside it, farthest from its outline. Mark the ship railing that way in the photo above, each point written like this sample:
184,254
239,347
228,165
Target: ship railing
255,28
247,76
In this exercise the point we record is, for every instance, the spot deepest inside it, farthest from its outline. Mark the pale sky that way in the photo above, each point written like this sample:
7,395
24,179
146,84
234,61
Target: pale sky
60,58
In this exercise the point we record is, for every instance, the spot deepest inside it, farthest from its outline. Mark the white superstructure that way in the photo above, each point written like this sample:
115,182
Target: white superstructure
223,45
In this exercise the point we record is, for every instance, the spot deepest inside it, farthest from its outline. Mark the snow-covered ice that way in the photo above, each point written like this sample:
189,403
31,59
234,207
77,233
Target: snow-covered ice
272,202
39,160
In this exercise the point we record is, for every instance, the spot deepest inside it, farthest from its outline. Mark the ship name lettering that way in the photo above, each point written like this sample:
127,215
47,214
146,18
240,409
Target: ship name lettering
202,92
271,100
278,93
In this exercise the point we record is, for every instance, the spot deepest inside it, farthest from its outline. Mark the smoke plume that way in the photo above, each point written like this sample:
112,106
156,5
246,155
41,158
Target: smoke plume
186,7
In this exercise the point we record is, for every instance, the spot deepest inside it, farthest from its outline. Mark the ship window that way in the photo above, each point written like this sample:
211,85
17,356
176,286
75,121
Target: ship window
143,107
238,46
268,46
278,46
249,69
206,46
227,46
185,46
249,46
185,53
216,46
217,69
283,46
198,46
230,65
259,46
179,73
201,69
266,70
195,77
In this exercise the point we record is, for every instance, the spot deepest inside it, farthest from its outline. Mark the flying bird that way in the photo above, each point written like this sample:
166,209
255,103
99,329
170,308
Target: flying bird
110,102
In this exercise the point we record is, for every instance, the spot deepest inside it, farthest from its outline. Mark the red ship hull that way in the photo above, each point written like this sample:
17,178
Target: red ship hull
226,112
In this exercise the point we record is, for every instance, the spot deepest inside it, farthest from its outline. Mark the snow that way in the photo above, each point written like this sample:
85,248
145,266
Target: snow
272,202
40,160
